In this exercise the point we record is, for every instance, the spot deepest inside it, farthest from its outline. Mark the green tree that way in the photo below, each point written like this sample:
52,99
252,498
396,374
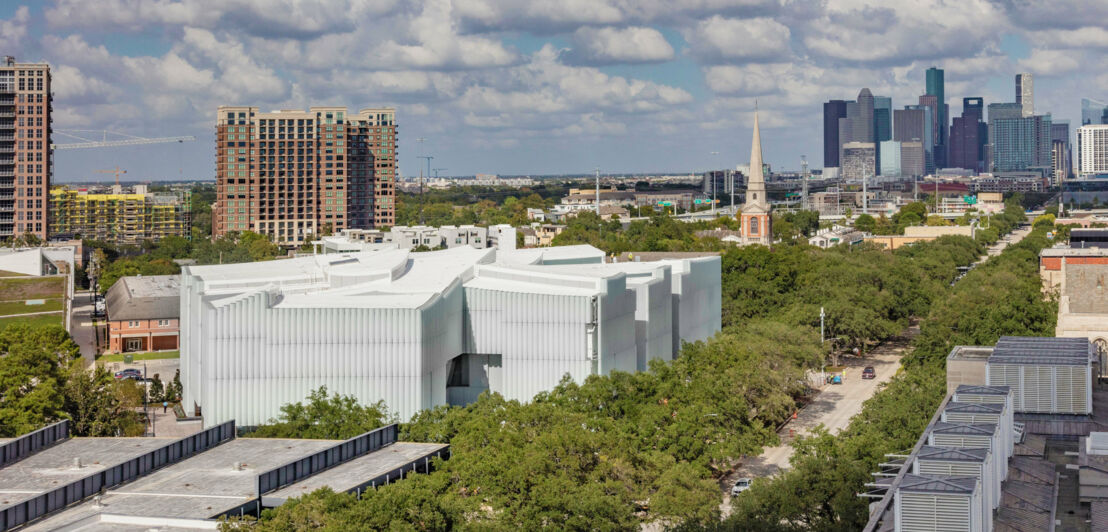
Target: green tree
100,405
336,417
33,369
865,223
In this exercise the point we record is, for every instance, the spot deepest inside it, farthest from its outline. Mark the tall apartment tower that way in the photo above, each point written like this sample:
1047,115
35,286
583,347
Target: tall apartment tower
832,112
1092,150
1060,154
26,158
1093,112
294,175
936,86
1025,93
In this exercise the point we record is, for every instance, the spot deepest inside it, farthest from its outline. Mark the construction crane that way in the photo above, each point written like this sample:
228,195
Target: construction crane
104,142
117,171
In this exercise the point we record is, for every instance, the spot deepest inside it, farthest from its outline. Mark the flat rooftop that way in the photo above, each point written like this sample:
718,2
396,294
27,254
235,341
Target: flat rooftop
54,466
200,487
355,473
1042,351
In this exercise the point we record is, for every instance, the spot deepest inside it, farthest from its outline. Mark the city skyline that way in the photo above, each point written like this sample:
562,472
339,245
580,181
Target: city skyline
511,88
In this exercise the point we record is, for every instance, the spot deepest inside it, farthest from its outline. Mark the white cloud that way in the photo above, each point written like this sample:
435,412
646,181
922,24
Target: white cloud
272,18
14,30
719,39
1086,37
599,46
1052,62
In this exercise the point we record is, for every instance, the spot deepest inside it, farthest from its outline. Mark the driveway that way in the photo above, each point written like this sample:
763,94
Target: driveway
81,326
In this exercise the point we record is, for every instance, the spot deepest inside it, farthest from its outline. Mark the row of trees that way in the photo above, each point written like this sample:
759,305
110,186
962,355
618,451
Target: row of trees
42,381
620,449
818,492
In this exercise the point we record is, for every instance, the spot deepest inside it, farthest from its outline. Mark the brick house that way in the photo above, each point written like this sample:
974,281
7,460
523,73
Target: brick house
143,313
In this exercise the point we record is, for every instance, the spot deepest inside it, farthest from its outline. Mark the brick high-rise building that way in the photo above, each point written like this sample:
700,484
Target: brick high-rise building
26,158
294,174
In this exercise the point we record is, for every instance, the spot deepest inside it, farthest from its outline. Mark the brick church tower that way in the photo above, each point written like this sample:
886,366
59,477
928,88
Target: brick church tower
756,220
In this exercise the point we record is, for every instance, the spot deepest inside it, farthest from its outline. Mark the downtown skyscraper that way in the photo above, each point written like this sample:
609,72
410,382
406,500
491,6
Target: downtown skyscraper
294,175
832,112
1025,93
26,155
967,136
936,86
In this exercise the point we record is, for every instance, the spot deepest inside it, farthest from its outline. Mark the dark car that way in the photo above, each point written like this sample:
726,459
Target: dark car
869,373
129,373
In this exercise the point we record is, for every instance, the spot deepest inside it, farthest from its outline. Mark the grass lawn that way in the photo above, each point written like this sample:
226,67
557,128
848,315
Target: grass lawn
8,308
154,355
16,288
34,321
6,273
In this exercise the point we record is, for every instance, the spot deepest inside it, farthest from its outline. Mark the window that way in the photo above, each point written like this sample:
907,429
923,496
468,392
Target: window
132,324
753,227
163,323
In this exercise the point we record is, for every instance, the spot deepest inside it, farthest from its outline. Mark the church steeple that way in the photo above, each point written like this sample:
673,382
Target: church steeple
756,181
756,221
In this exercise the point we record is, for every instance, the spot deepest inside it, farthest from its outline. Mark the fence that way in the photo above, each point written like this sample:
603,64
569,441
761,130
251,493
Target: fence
58,498
398,473
34,442
284,475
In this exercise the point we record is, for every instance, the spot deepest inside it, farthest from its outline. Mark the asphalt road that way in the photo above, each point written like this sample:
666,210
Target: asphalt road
80,326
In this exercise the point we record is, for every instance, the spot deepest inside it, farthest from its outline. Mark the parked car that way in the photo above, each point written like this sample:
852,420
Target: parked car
129,373
740,486
869,373
836,379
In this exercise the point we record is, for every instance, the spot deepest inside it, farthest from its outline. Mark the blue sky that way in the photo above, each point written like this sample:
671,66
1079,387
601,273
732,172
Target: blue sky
527,87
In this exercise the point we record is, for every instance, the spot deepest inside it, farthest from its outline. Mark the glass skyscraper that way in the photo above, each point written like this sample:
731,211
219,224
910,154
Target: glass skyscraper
936,86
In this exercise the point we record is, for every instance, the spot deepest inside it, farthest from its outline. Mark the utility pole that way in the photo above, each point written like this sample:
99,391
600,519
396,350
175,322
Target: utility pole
865,194
420,141
598,192
804,178
712,173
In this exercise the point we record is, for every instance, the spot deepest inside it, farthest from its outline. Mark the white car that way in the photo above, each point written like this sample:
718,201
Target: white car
740,486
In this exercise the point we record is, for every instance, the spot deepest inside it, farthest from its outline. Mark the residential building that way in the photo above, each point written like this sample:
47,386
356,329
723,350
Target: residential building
420,330
858,161
26,155
913,159
143,313
1074,272
1093,112
1025,94
420,236
921,233
119,217
998,111
1009,182
755,220
295,174
1092,150
890,158
832,112
1020,143
1060,151
967,136
936,88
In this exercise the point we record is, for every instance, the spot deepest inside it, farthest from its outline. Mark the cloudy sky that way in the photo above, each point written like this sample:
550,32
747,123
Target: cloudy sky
538,86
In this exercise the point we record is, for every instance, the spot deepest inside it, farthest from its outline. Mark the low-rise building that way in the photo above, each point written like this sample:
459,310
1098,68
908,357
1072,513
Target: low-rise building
410,237
118,216
921,233
1078,276
835,235
419,330
143,313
